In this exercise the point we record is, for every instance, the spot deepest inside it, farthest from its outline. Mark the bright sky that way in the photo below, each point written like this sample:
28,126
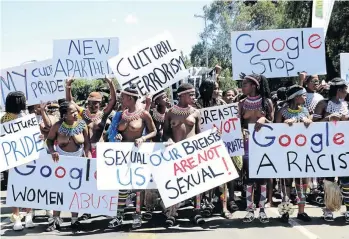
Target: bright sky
28,27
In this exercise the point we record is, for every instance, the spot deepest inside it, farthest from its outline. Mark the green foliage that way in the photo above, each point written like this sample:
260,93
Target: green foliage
227,16
225,81
81,88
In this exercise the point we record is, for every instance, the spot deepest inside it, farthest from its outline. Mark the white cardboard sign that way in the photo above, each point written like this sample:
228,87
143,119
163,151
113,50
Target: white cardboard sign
344,58
125,166
19,142
153,65
69,185
279,52
282,151
83,58
191,167
225,118
35,80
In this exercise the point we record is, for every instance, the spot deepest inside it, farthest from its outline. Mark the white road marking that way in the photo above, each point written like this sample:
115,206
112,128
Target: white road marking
297,226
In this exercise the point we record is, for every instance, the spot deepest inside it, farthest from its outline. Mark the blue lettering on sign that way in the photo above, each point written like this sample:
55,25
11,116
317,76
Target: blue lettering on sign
271,138
131,175
10,85
88,66
12,149
234,146
60,172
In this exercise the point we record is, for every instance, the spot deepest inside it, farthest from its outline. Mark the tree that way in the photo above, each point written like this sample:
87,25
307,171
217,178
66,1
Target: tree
227,16
81,88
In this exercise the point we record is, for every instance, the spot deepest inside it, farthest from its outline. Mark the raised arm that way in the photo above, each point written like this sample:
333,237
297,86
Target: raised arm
45,118
109,108
301,79
68,95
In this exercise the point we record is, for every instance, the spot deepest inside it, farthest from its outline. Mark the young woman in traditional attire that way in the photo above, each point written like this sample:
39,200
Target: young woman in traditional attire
310,83
256,108
71,136
15,107
209,97
134,124
181,122
159,104
93,115
294,112
334,109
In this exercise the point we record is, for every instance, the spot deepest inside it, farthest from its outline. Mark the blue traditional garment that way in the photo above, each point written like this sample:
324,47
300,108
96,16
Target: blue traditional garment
113,128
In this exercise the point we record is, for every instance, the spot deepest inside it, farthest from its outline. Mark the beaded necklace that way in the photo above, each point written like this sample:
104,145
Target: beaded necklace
88,116
253,103
157,116
341,108
128,117
312,100
8,117
71,130
182,111
298,114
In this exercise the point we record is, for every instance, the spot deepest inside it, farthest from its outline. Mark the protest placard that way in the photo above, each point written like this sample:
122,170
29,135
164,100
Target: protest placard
125,166
225,118
191,167
282,151
69,185
19,142
153,65
195,76
321,14
35,80
344,58
278,53
83,58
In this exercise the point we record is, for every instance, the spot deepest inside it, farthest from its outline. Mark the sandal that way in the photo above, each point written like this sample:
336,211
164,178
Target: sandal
116,222
263,217
170,221
84,217
147,215
249,217
227,215
199,220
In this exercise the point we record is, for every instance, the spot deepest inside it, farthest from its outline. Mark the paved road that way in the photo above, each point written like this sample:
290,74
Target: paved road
216,227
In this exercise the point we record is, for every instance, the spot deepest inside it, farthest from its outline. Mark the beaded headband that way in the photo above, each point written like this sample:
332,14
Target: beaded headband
253,79
129,93
337,83
186,91
163,93
300,92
